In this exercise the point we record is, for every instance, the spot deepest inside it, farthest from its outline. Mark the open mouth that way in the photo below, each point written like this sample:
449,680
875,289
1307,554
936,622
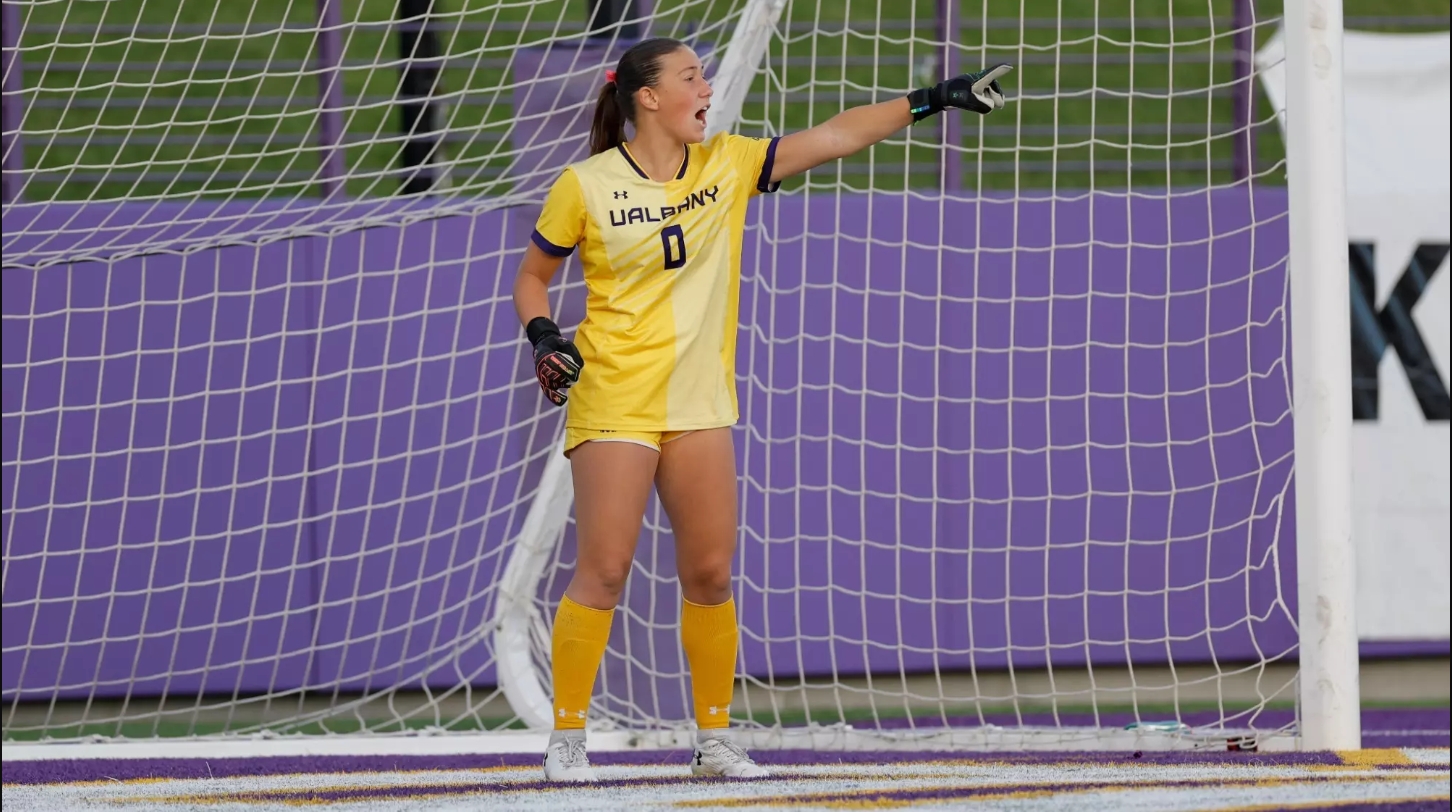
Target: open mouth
701,114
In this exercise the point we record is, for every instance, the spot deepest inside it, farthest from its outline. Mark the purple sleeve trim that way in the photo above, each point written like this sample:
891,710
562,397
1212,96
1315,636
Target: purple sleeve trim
763,183
549,247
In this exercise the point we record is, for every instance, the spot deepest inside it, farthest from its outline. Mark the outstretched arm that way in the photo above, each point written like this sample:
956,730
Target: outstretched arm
849,131
857,128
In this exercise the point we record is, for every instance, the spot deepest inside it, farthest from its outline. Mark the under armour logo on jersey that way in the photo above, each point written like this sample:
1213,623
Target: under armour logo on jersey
621,195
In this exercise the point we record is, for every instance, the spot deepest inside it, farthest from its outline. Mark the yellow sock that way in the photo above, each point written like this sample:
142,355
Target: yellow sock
576,648
709,635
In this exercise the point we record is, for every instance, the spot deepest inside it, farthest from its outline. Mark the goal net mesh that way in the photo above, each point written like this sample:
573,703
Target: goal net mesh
1015,442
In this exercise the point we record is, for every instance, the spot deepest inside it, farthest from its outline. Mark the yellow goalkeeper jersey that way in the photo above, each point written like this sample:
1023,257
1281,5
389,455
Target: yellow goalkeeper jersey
662,266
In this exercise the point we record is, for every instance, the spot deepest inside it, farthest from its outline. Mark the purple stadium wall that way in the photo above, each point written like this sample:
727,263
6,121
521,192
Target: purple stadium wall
293,467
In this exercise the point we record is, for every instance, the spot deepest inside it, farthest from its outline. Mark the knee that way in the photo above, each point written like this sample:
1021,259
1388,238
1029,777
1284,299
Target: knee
600,583
707,583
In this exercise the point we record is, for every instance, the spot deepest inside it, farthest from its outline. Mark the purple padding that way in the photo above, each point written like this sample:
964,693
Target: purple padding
1392,649
1054,440
419,475
291,469
175,473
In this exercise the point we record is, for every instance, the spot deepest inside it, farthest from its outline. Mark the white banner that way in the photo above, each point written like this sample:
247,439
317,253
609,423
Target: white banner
1399,201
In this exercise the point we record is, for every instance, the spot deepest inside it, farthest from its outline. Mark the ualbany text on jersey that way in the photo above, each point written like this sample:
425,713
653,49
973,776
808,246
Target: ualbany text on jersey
644,214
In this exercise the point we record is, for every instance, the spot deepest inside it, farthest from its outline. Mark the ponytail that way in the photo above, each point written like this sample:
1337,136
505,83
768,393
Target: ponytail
607,131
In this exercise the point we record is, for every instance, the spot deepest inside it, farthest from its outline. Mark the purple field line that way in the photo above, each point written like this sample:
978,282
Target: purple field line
133,769
1427,805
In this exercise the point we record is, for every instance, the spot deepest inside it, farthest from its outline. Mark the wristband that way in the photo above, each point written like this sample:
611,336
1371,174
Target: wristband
538,328
923,102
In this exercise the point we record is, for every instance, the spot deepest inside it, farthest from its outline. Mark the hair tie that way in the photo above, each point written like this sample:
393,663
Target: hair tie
610,76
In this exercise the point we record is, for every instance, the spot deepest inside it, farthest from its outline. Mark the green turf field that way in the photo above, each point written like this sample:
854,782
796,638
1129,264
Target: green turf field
182,111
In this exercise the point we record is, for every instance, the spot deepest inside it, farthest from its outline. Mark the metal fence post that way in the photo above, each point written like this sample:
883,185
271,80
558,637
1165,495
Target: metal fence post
1243,88
948,27
330,97
12,108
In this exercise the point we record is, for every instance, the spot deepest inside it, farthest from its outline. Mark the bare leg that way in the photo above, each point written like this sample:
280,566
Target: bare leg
696,480
612,484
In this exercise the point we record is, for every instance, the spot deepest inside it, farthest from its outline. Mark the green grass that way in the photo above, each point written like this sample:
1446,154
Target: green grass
115,113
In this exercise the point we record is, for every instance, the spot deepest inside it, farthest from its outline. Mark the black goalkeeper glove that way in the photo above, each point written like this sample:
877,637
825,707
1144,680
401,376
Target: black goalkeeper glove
557,363
978,92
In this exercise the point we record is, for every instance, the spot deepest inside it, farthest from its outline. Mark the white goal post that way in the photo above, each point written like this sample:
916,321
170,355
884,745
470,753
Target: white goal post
1032,453
1316,176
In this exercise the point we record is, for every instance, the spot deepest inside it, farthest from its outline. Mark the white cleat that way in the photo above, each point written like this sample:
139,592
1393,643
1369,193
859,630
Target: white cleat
723,758
565,760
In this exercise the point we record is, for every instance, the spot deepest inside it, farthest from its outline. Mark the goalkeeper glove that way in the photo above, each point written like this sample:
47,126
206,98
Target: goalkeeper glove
978,92
556,361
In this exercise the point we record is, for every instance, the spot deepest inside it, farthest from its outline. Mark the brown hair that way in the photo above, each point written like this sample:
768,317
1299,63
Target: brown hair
639,67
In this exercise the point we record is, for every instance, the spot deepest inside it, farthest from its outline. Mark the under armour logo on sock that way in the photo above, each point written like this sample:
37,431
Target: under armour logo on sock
713,710
578,714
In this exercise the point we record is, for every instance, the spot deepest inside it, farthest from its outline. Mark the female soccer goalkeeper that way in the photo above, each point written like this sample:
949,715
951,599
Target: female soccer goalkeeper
650,376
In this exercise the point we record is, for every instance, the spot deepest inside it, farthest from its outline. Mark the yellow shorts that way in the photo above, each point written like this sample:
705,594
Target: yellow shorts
650,439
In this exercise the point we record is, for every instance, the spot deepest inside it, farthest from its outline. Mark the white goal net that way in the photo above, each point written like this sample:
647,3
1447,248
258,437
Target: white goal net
1015,441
